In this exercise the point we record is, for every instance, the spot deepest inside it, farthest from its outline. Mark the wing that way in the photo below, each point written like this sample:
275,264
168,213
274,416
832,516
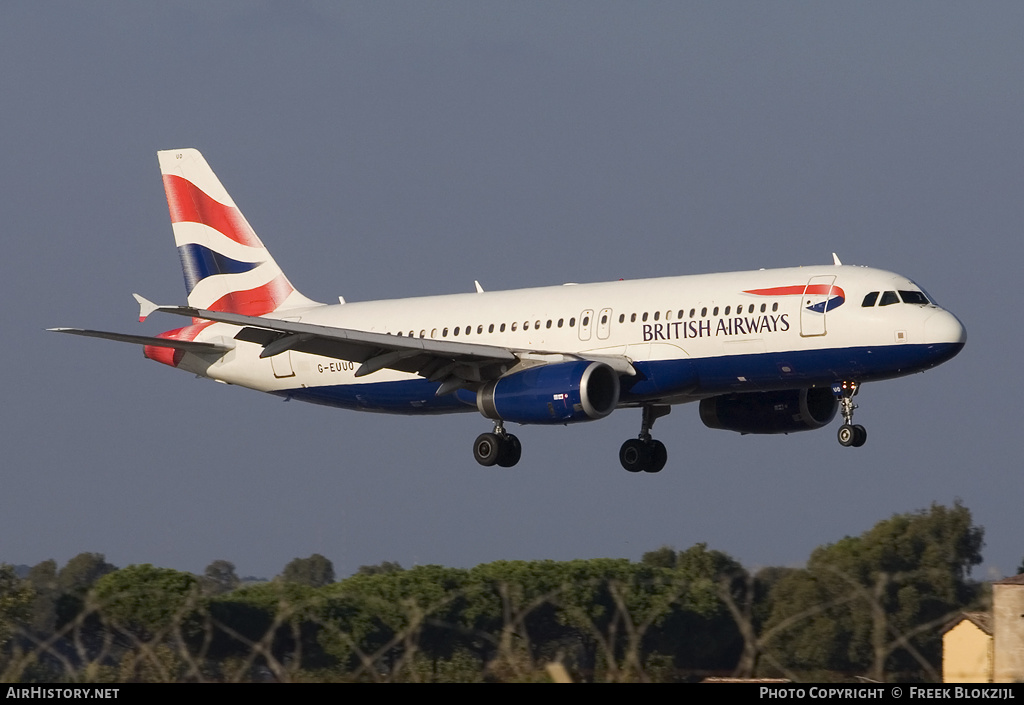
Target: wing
453,364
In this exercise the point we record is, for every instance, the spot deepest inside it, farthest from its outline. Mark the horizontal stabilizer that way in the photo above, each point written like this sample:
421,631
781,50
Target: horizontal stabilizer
146,307
186,345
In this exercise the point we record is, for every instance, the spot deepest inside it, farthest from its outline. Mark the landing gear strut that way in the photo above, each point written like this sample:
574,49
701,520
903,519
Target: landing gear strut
499,448
850,434
644,453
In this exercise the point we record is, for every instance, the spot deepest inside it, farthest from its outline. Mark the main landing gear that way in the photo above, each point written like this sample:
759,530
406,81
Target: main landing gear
499,448
644,453
849,434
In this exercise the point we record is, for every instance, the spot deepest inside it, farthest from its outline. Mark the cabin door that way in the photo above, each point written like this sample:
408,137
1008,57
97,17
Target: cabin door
813,305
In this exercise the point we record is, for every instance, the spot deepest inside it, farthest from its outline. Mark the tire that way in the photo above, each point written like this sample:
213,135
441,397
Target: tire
487,449
634,455
860,436
511,451
847,435
659,456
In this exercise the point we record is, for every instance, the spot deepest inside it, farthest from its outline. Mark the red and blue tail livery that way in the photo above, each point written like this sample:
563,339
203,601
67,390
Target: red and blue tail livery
766,351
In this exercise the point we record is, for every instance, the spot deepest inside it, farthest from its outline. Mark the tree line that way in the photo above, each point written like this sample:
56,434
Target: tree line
867,606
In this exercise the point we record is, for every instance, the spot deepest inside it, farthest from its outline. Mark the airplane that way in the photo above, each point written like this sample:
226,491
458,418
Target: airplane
766,351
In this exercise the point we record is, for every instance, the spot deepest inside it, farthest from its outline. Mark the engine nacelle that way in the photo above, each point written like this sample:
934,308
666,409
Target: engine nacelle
564,392
784,411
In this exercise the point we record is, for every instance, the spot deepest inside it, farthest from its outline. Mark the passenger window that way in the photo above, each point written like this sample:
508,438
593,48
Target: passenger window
763,307
775,307
681,312
490,328
692,311
727,309
480,329
502,329
870,299
548,325
513,327
644,317
715,312
632,318
537,325
657,315
889,298
586,320
704,312
622,318
560,322
572,322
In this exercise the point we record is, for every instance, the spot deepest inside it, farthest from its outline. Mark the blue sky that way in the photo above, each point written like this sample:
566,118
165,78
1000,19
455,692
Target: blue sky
392,149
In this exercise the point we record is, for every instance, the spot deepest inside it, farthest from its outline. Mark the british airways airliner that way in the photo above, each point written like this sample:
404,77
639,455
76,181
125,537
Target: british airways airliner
768,351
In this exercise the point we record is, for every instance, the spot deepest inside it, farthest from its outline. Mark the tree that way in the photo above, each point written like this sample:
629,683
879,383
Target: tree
220,578
664,557
75,580
315,571
385,567
874,603
79,574
146,601
15,603
43,579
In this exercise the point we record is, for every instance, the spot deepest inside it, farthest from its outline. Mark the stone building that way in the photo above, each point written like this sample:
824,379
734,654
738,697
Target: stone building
988,647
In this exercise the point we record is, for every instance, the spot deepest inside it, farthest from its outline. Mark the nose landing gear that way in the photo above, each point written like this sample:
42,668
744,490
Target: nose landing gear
644,454
850,434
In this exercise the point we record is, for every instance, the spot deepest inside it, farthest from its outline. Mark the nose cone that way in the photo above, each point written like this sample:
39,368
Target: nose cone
943,327
945,337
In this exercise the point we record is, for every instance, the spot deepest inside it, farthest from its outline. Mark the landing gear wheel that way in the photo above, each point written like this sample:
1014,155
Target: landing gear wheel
638,455
510,452
860,436
644,454
659,456
634,455
487,449
846,435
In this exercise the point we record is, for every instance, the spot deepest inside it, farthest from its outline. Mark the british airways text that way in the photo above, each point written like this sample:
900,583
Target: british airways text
739,325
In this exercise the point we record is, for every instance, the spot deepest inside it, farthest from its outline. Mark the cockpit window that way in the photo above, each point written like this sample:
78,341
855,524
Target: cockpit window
870,299
889,298
913,297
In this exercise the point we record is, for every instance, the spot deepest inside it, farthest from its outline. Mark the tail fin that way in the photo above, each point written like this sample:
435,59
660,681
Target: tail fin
226,266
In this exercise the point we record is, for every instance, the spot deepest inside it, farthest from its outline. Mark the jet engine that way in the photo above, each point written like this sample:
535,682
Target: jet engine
783,411
558,393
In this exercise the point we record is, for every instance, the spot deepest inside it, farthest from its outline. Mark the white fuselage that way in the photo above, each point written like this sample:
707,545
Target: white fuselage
715,321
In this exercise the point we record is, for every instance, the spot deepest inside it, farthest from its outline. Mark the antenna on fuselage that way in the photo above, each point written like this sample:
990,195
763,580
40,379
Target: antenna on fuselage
835,260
